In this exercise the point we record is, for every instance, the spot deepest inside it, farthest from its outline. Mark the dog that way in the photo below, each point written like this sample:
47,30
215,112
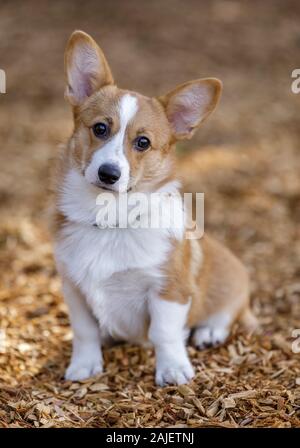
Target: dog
141,285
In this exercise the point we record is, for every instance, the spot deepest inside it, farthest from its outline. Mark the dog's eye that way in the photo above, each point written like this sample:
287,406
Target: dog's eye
100,130
142,143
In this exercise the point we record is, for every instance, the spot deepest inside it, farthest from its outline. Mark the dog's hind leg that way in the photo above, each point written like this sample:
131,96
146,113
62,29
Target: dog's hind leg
213,331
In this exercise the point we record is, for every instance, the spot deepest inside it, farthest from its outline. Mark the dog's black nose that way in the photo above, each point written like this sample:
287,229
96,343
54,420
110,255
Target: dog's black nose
109,173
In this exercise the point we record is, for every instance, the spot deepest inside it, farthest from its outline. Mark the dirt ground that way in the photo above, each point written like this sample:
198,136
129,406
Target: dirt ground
246,159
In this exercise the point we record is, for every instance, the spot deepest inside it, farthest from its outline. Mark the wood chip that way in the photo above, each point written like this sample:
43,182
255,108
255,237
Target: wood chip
213,409
98,387
228,403
185,390
243,395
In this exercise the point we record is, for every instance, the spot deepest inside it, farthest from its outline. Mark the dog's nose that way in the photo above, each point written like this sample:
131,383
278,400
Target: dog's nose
109,173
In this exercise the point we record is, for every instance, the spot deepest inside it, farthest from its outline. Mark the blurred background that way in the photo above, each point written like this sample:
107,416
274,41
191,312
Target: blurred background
245,158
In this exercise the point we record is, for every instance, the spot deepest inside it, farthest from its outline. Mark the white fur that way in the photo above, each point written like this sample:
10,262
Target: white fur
115,269
213,331
86,358
113,150
168,333
77,198
99,253
82,202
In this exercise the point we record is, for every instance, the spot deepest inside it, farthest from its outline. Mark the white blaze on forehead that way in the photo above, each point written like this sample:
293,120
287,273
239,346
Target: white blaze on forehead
113,150
128,109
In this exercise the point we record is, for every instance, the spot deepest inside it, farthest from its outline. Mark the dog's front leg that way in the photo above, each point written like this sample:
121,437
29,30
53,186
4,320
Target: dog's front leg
166,332
86,360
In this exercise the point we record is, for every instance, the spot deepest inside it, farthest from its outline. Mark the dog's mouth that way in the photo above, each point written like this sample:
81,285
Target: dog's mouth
107,188
112,190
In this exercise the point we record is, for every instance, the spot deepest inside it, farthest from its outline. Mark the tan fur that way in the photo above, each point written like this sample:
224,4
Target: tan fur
149,169
169,102
102,76
219,282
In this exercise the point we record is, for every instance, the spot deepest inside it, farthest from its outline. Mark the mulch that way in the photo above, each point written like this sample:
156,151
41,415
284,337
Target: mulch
248,382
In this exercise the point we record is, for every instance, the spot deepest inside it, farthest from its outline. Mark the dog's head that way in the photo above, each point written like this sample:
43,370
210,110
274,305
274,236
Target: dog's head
123,140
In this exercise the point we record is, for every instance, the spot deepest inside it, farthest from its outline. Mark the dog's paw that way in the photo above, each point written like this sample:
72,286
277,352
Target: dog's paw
83,368
205,337
174,373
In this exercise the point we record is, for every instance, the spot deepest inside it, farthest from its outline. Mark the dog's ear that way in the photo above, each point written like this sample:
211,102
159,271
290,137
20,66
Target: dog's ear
86,68
190,104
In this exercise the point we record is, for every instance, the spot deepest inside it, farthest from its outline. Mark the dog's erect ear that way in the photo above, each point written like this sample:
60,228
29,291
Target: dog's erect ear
86,68
190,104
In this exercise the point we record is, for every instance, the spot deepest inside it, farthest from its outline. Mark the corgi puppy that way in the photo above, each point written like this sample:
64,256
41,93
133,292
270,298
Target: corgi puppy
136,284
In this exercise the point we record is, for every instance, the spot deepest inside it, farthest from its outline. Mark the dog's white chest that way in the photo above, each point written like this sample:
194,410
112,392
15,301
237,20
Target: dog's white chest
120,305
116,269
